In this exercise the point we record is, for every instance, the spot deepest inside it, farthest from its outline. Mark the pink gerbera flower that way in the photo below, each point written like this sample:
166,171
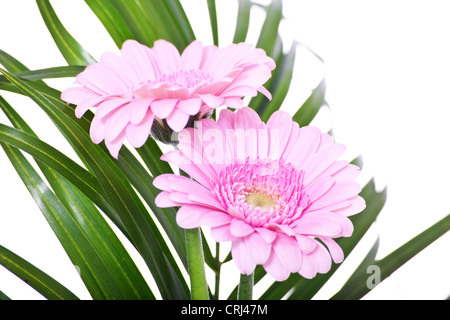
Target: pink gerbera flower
145,84
273,190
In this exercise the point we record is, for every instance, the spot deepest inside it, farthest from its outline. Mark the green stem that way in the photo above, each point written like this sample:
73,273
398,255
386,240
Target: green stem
218,266
199,287
245,289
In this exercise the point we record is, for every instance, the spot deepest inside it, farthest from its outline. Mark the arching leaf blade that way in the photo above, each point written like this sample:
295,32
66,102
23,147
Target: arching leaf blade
36,278
90,221
134,216
71,50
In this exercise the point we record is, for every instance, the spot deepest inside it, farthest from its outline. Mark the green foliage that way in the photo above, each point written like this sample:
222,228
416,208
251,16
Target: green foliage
74,198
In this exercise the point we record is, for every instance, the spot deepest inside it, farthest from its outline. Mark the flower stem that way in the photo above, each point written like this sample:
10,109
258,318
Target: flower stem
245,289
199,288
218,266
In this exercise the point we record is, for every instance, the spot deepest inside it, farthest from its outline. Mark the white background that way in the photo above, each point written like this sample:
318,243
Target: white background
387,68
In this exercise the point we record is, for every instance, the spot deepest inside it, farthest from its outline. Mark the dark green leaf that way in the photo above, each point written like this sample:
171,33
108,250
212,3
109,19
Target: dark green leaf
128,164
143,232
55,72
36,278
71,50
12,64
89,219
213,19
4,296
96,268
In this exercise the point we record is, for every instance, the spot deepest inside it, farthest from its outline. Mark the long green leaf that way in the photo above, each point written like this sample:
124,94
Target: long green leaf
95,267
142,181
243,21
12,64
144,233
279,84
144,20
269,32
311,106
357,287
55,72
36,278
3,296
71,50
213,20
111,20
89,219
128,164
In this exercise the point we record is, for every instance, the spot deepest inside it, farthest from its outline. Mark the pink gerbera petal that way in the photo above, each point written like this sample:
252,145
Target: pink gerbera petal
275,191
176,87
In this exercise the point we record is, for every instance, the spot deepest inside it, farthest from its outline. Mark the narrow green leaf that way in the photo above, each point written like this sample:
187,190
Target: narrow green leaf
36,278
269,32
243,21
111,20
279,84
147,20
213,20
71,50
89,219
357,288
55,72
4,296
12,64
120,194
95,270
355,278
143,182
178,15
128,164
311,106
59,162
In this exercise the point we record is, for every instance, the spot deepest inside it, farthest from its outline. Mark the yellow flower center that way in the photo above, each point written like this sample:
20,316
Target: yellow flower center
260,200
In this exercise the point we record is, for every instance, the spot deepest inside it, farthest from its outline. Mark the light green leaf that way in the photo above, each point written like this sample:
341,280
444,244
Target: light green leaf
243,21
269,33
71,50
311,106
145,20
279,84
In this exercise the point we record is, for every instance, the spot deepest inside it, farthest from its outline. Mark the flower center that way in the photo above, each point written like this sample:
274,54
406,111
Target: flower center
260,200
262,192
186,78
